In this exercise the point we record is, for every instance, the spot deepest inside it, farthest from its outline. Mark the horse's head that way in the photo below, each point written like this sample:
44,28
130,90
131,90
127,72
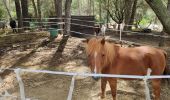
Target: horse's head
98,53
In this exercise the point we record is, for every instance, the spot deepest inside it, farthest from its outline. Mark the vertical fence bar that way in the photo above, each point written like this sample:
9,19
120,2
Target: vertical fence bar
147,92
120,38
21,84
70,94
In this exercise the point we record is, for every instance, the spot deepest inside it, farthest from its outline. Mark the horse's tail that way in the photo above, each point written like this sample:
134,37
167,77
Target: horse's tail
165,54
166,67
166,70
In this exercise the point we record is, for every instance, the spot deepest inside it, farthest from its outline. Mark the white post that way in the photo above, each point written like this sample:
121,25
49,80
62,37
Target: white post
147,92
71,88
120,39
21,84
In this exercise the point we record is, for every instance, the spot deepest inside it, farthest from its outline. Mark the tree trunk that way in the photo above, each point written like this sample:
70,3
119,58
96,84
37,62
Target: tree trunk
128,12
67,17
168,6
133,14
107,4
35,9
100,12
89,7
24,5
78,10
161,12
93,7
4,1
39,11
58,9
19,15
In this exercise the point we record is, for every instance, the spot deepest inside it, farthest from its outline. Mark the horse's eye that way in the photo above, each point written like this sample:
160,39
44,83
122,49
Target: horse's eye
103,55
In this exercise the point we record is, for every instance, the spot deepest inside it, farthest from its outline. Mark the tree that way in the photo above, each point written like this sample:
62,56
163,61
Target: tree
161,12
19,14
117,14
79,9
107,15
128,12
100,12
24,5
133,14
67,17
168,6
39,11
89,7
58,10
35,9
4,1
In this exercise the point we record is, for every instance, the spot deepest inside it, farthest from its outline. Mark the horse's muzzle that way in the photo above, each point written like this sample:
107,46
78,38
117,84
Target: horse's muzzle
96,78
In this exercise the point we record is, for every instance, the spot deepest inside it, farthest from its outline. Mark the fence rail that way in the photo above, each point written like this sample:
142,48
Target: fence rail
18,71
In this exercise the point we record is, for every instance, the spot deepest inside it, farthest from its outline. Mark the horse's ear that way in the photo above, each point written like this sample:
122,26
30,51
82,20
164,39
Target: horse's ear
85,41
103,41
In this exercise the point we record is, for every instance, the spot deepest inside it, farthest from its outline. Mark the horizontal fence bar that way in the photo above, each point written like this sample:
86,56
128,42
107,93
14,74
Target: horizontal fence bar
89,74
80,20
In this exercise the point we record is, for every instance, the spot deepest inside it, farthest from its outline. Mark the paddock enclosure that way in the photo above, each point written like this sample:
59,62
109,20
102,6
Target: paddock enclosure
51,42
46,86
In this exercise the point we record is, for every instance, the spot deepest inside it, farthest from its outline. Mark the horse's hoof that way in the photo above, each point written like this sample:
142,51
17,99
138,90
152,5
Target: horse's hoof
102,96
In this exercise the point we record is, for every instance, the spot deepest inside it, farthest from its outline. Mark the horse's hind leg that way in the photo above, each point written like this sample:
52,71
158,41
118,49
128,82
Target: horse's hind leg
113,86
156,84
103,87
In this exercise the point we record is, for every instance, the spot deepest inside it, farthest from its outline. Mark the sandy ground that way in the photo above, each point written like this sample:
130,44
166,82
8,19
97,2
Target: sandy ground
40,86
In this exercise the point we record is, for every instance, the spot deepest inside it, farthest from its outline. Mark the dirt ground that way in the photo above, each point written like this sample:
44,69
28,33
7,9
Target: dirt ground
60,56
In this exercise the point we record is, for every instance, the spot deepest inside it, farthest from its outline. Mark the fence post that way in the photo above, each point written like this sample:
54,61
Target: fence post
120,34
21,84
147,92
71,88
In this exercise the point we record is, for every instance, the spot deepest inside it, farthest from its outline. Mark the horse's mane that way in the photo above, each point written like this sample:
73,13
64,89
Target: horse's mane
109,49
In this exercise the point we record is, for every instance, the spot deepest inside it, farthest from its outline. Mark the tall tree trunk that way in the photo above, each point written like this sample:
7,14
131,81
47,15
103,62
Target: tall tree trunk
79,9
168,6
100,12
93,7
107,4
67,17
133,14
19,15
4,1
89,7
24,5
161,12
39,11
35,9
58,10
128,12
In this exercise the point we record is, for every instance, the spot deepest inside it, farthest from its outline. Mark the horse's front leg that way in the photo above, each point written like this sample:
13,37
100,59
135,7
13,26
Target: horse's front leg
103,87
113,86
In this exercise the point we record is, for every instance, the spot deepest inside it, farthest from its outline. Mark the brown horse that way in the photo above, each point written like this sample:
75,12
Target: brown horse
108,58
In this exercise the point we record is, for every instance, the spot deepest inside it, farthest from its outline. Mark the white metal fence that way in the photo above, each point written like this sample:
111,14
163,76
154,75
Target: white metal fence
22,91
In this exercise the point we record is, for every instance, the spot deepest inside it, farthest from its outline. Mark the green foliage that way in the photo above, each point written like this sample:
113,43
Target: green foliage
2,10
1,13
148,18
144,14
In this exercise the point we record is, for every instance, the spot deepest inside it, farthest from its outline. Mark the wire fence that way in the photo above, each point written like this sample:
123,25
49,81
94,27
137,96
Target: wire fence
18,72
47,24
